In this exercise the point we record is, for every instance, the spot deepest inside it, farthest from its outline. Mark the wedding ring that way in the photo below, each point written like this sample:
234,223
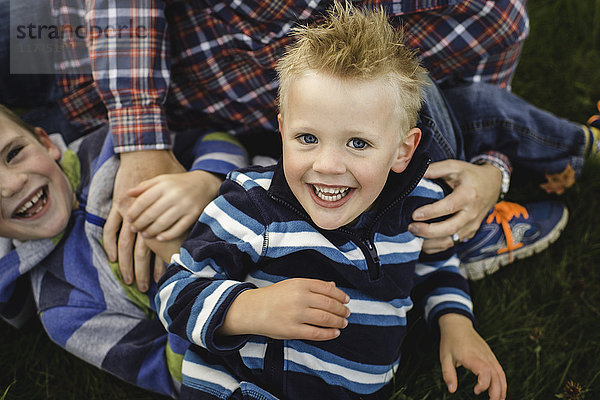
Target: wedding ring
456,239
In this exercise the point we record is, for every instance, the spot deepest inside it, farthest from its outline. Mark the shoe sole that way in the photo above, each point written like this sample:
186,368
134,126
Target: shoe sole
480,269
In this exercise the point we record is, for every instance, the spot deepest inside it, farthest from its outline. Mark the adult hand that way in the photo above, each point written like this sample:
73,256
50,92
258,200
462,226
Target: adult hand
475,190
142,256
119,239
296,308
461,345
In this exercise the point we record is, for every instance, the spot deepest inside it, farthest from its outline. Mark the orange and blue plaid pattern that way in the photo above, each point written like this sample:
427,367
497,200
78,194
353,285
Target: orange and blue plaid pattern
210,64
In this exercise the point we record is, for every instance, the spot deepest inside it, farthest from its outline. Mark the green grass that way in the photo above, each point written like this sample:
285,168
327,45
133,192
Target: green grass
32,367
541,315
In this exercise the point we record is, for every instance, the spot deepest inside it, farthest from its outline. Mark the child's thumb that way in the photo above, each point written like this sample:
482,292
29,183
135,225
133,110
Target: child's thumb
449,374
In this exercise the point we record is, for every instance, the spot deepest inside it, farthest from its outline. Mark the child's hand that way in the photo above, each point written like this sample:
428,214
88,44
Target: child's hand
296,308
461,345
168,205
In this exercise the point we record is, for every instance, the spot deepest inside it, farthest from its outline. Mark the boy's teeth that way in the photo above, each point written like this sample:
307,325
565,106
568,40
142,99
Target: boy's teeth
330,193
25,210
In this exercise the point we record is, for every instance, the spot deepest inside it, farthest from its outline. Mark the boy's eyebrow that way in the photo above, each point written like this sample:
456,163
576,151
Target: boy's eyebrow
307,128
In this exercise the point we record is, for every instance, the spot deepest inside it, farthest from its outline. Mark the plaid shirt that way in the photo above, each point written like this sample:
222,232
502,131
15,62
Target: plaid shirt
209,65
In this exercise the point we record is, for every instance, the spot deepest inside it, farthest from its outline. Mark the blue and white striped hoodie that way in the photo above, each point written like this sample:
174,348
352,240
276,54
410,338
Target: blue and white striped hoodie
83,304
255,234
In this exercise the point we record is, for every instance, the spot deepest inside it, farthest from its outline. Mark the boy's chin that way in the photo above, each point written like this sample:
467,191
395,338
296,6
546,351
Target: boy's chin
329,225
48,232
60,227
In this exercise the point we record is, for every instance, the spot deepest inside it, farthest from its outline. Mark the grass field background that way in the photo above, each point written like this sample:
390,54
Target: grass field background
541,315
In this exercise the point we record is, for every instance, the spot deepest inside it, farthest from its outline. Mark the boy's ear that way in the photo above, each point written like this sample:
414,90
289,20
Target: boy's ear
406,150
280,124
44,139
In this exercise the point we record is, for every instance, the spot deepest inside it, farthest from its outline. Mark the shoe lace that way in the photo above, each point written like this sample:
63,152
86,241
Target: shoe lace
502,213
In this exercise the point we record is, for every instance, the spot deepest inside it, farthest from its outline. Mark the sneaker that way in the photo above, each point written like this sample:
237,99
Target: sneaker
592,131
595,119
511,232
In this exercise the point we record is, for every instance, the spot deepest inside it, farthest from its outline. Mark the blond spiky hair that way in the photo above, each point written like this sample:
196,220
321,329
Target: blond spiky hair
356,44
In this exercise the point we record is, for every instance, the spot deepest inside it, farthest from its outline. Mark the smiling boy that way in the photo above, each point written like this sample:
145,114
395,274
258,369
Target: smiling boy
37,197
52,201
53,204
339,148
296,280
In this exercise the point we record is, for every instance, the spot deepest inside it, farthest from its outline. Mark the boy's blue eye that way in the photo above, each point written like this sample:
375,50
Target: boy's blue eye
357,143
307,138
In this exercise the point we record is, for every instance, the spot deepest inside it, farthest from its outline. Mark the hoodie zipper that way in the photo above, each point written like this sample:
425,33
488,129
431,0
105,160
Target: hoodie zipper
367,244
373,264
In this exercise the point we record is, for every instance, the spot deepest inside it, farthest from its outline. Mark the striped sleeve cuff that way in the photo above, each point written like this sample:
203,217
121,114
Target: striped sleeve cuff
219,153
139,128
447,300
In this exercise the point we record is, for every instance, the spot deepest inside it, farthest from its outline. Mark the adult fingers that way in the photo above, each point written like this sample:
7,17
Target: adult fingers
440,230
160,267
141,261
435,245
432,246
109,233
441,208
443,169
125,245
462,198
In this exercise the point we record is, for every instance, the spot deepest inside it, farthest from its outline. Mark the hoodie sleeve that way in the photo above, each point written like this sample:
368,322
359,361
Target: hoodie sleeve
439,286
135,349
208,274
219,153
16,299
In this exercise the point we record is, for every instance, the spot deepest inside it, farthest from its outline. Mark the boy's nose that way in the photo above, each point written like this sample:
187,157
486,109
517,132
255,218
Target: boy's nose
11,183
329,162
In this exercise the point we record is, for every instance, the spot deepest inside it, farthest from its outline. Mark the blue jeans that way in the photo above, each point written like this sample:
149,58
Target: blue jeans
463,121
